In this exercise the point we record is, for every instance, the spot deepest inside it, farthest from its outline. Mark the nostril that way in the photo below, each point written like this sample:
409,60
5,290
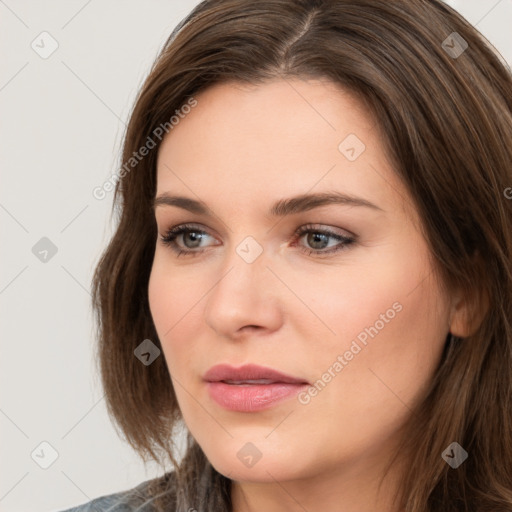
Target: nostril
249,329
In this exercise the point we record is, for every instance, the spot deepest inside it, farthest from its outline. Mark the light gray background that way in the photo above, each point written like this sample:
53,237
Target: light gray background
62,119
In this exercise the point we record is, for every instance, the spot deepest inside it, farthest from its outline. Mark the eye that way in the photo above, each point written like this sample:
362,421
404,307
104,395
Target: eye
186,239
318,239
190,237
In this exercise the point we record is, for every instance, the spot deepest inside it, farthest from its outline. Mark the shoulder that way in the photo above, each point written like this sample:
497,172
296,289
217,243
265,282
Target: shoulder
138,499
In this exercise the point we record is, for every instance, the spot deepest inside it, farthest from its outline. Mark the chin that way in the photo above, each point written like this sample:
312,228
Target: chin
236,464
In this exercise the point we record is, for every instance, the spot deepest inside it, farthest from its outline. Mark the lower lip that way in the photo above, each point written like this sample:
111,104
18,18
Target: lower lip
251,397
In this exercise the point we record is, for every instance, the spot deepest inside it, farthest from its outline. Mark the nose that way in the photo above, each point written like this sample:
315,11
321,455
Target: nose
245,299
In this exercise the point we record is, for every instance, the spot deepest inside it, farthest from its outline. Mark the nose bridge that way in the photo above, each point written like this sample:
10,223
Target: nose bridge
247,261
243,294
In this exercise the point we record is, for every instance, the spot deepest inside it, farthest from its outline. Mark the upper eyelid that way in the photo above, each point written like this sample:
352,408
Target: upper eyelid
343,240
188,226
178,230
300,230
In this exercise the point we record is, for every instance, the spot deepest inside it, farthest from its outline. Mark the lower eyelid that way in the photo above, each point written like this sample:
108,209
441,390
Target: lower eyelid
169,239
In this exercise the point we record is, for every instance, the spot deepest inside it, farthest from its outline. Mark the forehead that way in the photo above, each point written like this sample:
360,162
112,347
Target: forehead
276,139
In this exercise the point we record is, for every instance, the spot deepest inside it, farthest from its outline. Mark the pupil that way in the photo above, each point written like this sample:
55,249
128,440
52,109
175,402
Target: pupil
315,238
195,237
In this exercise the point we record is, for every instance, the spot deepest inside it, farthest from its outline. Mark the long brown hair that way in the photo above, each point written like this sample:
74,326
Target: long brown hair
445,114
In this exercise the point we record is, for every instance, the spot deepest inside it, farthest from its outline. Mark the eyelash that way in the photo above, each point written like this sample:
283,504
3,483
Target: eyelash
169,239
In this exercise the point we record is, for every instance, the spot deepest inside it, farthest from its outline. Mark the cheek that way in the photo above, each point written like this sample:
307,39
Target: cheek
171,294
175,300
390,322
390,325
162,302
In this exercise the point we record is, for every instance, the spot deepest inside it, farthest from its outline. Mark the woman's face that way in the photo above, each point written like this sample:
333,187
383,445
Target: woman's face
363,322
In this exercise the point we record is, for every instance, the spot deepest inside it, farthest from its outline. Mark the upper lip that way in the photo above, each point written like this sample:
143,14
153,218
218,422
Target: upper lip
222,372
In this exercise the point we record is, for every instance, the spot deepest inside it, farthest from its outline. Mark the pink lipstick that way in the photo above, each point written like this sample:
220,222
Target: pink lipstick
250,388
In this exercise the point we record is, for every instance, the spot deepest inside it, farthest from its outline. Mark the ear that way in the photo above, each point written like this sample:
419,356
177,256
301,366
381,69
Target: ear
469,308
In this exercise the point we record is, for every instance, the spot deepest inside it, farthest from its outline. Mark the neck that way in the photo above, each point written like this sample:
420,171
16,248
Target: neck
343,489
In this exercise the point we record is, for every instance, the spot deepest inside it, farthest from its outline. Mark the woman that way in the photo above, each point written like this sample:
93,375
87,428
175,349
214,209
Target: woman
313,264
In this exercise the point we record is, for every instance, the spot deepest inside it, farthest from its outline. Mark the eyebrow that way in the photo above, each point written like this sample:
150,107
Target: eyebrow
280,208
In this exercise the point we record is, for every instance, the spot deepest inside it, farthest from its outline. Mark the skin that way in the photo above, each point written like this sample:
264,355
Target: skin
239,150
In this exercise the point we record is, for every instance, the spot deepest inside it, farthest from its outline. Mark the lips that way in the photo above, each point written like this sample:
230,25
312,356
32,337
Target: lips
249,374
250,388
